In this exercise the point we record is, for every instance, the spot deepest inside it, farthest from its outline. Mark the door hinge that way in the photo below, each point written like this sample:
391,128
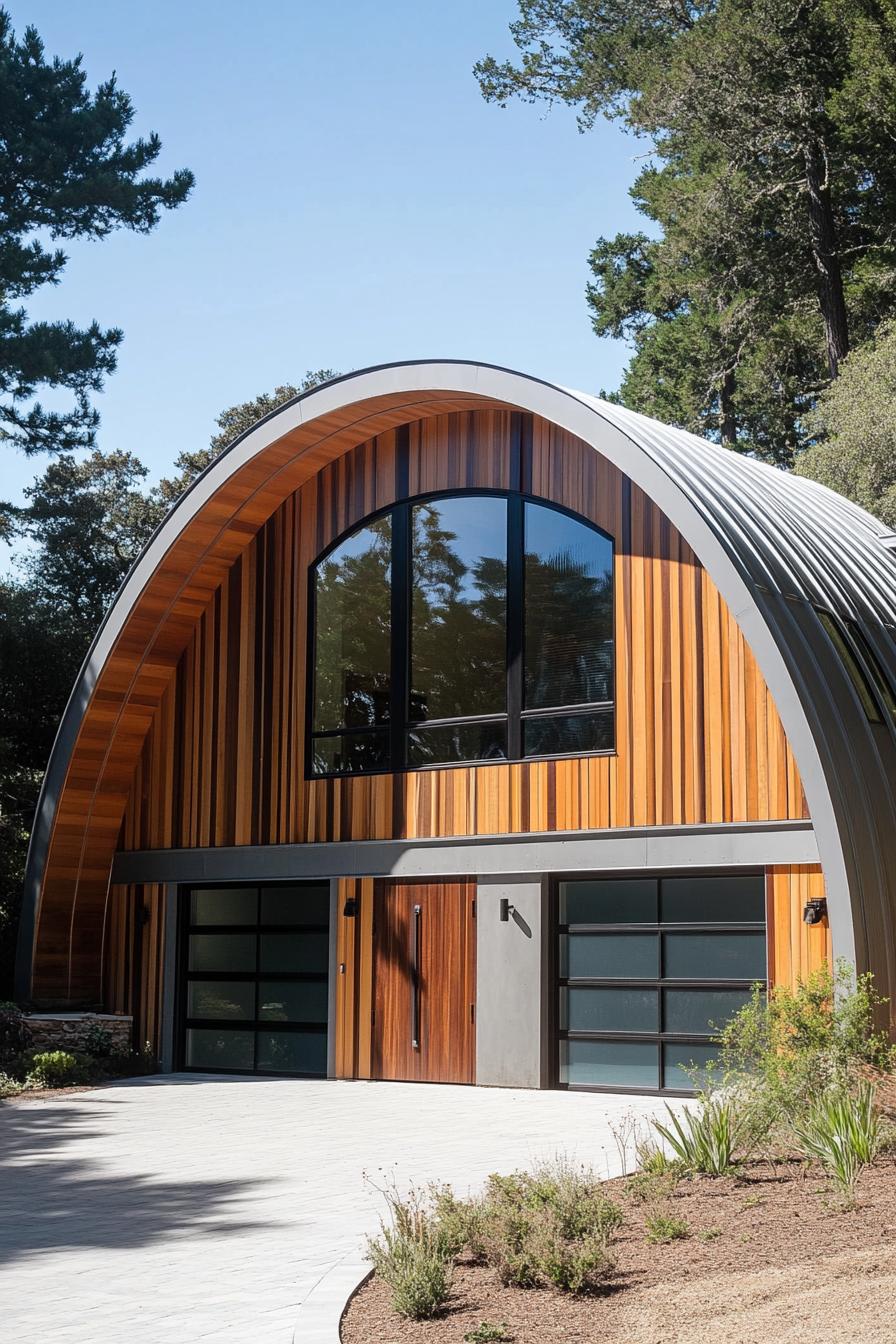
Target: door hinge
472,1012
473,907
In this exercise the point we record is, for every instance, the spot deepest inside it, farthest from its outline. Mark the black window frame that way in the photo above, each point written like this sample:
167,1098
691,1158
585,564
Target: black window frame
256,1024
400,722
661,1038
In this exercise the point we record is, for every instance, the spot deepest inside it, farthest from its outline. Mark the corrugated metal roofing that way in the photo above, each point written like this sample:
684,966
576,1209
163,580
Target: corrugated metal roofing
786,533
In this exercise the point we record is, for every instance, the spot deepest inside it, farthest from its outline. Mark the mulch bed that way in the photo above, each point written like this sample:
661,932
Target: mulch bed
772,1258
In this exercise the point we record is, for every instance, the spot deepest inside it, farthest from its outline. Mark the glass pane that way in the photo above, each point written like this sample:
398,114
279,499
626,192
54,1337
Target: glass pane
609,1009
350,753
714,956
853,668
608,902
609,956
295,951
222,951
457,742
305,904
353,600
568,734
568,575
693,1011
680,1063
223,905
609,1063
221,998
293,1000
459,608
695,900
293,1052
881,681
212,1049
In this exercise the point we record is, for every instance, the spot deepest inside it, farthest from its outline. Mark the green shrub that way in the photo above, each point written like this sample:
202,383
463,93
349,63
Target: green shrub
842,1132
662,1227
783,1051
55,1068
703,1139
486,1333
99,1042
13,1031
411,1257
647,1187
548,1227
456,1220
10,1087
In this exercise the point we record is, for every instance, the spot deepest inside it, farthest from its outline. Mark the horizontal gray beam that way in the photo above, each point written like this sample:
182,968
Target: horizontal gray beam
751,844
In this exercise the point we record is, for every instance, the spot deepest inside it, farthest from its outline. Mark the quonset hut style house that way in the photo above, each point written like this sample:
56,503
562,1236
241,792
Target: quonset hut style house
458,727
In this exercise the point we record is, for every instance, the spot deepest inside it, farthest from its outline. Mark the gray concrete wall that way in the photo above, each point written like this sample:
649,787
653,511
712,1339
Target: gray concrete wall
510,982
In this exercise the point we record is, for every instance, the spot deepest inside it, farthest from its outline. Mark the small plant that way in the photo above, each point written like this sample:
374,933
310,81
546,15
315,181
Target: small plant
842,1132
9,1087
709,1234
703,1139
487,1333
752,1201
549,1227
653,1158
457,1220
662,1227
55,1068
410,1256
648,1187
98,1042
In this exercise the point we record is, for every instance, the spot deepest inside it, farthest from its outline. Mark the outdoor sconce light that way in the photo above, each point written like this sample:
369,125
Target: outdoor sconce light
505,909
815,911
350,909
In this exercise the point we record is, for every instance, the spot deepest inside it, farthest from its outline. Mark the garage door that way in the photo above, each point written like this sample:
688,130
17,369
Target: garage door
647,969
254,979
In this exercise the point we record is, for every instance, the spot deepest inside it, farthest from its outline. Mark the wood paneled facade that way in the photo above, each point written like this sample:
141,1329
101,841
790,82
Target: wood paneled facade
698,738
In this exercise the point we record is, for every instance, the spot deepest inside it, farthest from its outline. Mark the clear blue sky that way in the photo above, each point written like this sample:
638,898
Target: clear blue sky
356,202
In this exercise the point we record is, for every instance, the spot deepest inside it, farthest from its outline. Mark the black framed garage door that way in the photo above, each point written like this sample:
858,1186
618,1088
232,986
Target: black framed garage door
254,982
647,969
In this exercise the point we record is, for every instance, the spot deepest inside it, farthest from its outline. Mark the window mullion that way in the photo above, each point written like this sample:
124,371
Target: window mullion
514,626
401,633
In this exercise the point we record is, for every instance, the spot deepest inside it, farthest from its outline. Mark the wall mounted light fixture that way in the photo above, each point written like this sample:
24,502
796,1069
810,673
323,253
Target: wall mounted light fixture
815,911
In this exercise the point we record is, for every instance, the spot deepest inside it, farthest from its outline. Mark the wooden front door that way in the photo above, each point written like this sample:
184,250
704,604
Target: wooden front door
424,981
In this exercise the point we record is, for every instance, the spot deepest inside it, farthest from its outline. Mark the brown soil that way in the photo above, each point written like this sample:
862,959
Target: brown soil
779,1261
48,1093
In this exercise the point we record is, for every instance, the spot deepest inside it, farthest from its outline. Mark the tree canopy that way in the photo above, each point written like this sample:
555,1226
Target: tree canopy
770,191
67,170
856,420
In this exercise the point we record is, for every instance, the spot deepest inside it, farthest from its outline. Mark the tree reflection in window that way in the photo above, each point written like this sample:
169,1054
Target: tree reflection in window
459,608
413,661
352,651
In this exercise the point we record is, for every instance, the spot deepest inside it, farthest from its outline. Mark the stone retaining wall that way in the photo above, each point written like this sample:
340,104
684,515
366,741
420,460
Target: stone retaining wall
69,1031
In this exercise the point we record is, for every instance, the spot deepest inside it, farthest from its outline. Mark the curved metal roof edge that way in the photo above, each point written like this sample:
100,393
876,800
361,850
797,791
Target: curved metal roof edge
719,500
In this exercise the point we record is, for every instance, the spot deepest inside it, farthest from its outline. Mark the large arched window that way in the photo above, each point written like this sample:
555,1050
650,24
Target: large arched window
465,627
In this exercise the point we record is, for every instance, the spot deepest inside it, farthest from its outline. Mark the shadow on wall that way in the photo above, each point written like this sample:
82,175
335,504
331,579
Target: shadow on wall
53,1195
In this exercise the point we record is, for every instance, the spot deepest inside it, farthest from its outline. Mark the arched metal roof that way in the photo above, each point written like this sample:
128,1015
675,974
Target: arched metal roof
776,546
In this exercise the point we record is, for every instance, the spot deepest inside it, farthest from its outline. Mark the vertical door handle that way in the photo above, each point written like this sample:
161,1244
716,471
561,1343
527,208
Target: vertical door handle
415,978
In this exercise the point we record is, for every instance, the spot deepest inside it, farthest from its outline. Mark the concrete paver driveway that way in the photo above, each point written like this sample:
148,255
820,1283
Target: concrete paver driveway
170,1210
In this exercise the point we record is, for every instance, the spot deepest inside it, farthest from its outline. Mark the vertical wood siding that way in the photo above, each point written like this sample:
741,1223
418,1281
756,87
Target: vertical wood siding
795,949
698,738
221,722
